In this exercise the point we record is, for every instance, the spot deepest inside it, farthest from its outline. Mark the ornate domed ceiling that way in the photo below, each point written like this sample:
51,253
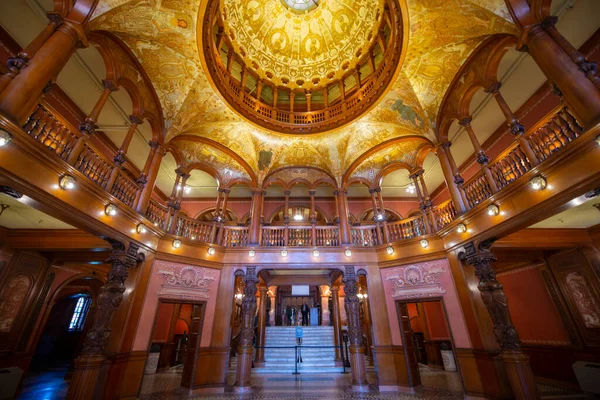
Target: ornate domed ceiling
438,37
312,48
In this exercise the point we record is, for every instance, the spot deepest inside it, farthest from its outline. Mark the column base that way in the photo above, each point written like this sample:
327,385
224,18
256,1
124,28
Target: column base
358,368
520,375
85,377
397,388
242,389
244,368
360,388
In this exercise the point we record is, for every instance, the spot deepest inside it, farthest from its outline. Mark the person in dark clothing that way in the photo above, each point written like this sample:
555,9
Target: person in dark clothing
305,311
319,312
288,313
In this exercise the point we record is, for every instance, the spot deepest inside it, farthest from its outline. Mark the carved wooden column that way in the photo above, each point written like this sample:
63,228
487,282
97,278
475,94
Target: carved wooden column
272,299
513,123
313,217
257,200
148,176
345,233
135,121
424,204
177,206
325,314
244,349
172,201
452,181
373,193
87,366
262,323
17,63
337,322
516,362
286,218
575,77
355,335
20,96
386,233
482,158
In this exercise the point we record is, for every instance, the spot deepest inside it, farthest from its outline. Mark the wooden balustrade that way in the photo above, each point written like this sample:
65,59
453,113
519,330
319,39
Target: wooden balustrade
477,189
327,236
156,213
192,229
44,127
509,166
365,236
92,165
273,236
299,236
126,189
407,228
234,236
554,133
444,213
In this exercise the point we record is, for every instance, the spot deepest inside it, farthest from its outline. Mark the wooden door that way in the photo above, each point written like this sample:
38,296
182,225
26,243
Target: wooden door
193,346
414,378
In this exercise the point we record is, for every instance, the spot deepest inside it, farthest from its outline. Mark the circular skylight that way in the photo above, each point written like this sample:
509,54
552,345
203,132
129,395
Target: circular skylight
301,5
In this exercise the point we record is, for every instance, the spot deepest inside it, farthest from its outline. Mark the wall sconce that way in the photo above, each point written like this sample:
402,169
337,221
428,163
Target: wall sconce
211,251
538,182
424,243
239,296
67,182
4,137
251,253
176,243
315,253
493,210
390,250
141,229
461,228
348,253
110,210
284,253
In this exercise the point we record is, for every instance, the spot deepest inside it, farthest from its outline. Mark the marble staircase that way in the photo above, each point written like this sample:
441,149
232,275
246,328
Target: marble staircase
314,360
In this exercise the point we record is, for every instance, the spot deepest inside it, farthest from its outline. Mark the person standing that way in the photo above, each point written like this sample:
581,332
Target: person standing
288,313
299,334
305,311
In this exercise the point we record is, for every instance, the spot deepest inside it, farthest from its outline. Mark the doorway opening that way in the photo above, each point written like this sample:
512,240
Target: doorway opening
174,345
428,345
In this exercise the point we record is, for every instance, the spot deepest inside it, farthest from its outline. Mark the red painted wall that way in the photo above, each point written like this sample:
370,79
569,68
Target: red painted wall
163,323
436,320
531,308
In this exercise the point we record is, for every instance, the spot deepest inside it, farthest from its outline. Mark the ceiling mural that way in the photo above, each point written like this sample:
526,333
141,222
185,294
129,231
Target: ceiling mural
317,46
163,35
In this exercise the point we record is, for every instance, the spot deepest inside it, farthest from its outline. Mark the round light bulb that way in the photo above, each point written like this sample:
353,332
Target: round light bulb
251,253
390,250
284,253
187,189
461,228
424,243
4,137
141,228
176,243
348,253
538,182
493,210
110,210
211,251
67,182
315,253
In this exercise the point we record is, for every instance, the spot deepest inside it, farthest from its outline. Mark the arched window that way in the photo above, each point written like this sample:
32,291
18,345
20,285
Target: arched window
80,313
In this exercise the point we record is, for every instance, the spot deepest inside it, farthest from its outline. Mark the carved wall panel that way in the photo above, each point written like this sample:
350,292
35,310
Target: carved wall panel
12,299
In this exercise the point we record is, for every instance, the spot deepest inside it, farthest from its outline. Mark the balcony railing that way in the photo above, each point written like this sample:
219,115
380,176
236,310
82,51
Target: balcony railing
543,140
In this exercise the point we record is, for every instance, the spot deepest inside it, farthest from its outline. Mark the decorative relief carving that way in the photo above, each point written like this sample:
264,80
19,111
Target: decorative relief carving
421,280
185,282
36,312
12,300
584,299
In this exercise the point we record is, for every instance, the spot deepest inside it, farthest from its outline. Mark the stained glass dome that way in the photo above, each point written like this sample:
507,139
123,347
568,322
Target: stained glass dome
301,5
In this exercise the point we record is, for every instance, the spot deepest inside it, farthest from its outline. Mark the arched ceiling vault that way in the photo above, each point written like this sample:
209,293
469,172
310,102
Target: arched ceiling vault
163,35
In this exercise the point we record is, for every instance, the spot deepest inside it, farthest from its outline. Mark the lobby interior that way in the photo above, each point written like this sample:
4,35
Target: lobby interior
178,178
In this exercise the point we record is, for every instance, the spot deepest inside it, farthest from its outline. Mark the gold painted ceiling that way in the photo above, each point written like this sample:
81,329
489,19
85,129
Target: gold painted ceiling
163,35
315,46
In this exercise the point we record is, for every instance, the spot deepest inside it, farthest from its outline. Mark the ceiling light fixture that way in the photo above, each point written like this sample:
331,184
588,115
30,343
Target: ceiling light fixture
461,228
348,253
538,182
411,188
4,137
141,229
493,210
424,243
176,243
390,250
211,251
110,210
67,182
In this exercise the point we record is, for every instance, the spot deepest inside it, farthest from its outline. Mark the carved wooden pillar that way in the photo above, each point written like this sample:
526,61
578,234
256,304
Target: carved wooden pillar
337,322
373,193
244,349
513,123
575,77
172,201
222,216
452,181
482,158
384,224
272,299
313,217
355,335
262,323
308,95
87,366
345,233
425,204
16,64
516,362
20,96
286,217
257,200
325,314
135,121
148,176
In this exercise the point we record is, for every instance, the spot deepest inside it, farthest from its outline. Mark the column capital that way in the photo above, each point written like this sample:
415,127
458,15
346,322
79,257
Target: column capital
182,174
110,85
465,121
312,193
340,191
224,190
258,192
446,145
134,119
417,173
287,192
494,88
